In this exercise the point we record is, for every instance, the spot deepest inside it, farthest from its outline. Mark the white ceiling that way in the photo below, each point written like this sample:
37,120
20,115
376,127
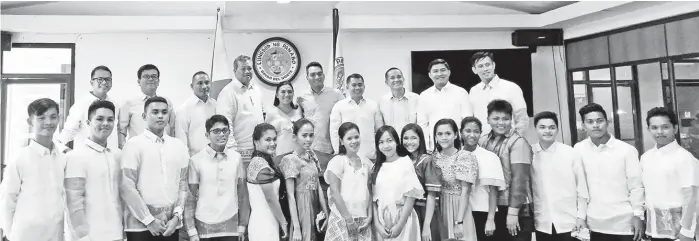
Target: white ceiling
271,8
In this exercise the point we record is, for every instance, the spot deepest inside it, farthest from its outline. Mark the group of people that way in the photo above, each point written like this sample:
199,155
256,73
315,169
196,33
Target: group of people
446,164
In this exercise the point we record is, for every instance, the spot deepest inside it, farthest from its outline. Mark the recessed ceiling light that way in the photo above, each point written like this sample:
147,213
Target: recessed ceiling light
283,1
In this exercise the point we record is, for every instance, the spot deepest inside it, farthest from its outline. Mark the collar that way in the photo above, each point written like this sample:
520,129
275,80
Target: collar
145,96
97,147
405,96
239,85
93,97
41,150
492,84
537,148
668,149
351,101
213,153
197,100
151,136
445,88
506,135
611,143
319,92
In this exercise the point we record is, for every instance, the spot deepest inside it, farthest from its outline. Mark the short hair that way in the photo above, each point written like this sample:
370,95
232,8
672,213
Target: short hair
545,115
238,60
436,62
354,76
500,105
99,104
480,55
471,119
313,64
591,107
279,86
40,106
102,67
198,73
154,99
215,119
389,70
661,111
147,67
300,123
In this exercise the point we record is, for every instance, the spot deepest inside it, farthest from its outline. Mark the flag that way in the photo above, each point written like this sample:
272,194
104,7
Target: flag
338,61
221,65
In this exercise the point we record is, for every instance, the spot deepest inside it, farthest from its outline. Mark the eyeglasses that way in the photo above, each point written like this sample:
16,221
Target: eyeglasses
153,76
103,79
219,131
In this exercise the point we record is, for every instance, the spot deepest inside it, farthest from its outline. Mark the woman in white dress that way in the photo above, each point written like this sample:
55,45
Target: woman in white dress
350,201
282,116
395,187
264,178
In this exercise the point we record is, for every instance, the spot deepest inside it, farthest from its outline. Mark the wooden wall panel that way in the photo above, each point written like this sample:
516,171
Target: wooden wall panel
586,53
683,36
638,44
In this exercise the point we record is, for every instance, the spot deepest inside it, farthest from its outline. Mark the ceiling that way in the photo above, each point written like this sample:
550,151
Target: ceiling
205,8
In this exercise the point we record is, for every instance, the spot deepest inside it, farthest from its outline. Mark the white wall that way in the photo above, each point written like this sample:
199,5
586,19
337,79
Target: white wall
179,55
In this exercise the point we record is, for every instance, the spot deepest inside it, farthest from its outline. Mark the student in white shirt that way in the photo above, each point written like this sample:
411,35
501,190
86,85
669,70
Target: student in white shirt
240,102
490,180
154,178
398,107
492,87
192,115
218,207
32,198
75,128
670,181
92,180
443,100
559,185
131,122
356,109
615,210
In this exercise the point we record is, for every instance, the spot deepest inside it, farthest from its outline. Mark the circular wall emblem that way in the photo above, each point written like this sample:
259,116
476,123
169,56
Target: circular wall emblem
276,60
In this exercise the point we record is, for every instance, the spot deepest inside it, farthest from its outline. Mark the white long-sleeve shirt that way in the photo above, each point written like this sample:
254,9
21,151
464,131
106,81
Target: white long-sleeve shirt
365,114
482,94
398,112
92,191
451,101
131,122
559,187
75,128
669,178
614,182
191,120
32,198
242,106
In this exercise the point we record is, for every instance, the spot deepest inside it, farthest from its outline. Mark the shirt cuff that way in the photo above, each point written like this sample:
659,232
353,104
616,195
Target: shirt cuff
513,211
192,232
687,233
148,219
638,213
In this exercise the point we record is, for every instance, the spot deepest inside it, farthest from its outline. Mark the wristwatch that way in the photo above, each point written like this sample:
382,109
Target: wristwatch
458,222
177,213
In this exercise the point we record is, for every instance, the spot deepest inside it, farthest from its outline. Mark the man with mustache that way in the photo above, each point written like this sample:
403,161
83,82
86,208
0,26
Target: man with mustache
399,107
154,178
32,206
558,184
240,102
130,121
670,181
317,106
359,110
192,115
493,87
75,128
443,100
615,211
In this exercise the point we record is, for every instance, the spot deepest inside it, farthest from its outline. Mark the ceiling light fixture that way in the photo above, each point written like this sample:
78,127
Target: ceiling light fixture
283,1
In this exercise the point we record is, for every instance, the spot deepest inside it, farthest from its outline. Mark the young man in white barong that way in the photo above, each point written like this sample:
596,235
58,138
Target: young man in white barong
669,174
32,198
154,178
92,180
218,207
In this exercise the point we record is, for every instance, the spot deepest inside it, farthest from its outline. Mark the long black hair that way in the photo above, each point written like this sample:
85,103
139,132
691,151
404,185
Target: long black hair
380,157
279,86
454,128
422,148
344,128
257,133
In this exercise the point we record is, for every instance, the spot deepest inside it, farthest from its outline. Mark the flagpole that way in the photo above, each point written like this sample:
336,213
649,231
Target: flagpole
213,52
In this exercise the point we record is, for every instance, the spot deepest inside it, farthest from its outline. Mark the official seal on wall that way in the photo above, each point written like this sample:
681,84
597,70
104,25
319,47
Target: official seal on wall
276,60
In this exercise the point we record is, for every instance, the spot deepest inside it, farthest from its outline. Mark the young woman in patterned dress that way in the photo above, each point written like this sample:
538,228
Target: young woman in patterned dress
305,197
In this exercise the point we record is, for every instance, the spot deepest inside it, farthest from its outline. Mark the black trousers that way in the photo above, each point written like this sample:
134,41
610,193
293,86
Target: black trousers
146,236
554,236
231,238
526,225
479,219
594,236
